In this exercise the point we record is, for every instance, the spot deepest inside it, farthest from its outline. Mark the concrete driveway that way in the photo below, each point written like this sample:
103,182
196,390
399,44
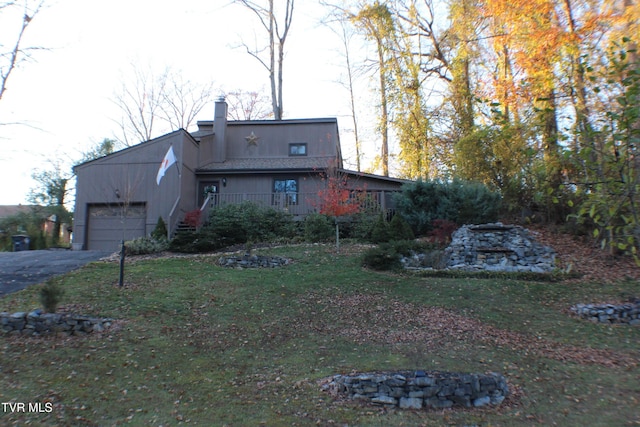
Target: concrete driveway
21,269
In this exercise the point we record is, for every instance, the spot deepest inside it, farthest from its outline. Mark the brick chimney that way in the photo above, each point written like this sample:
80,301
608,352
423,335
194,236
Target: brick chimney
220,131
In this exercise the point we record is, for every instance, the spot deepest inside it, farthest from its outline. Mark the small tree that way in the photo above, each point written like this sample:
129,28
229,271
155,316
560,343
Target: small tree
50,295
160,232
336,200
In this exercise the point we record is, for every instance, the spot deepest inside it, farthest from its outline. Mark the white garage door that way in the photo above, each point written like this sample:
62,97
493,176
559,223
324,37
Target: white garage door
109,223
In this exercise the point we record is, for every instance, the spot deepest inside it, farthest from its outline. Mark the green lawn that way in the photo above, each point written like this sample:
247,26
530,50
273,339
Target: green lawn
198,344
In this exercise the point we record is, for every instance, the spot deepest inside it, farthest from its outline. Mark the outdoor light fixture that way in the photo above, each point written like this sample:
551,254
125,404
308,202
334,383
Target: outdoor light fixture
224,182
117,193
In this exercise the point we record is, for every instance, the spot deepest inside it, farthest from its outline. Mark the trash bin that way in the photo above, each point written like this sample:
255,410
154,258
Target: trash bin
20,242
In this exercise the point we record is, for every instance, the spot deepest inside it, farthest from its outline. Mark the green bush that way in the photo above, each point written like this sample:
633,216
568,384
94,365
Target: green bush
381,232
50,295
386,256
249,221
195,242
422,202
234,224
362,225
318,228
146,245
160,231
382,257
400,229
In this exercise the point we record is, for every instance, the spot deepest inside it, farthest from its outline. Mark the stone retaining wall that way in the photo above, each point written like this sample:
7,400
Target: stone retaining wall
252,261
609,313
38,323
497,247
420,389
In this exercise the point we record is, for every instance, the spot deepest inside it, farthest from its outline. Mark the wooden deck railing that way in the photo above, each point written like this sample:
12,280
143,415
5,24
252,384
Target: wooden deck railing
299,204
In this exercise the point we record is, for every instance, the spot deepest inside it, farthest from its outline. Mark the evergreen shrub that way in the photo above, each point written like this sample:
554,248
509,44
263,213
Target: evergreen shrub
234,224
50,296
146,245
400,229
461,202
318,228
160,231
382,257
381,232
387,255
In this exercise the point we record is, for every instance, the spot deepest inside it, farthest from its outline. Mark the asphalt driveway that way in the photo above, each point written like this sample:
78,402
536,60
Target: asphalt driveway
21,269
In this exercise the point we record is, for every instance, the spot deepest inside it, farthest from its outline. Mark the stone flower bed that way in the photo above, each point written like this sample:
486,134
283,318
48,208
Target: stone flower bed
36,323
252,261
419,389
609,313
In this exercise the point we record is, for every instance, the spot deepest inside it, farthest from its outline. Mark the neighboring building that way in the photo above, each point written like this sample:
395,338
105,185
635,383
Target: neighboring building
276,163
46,220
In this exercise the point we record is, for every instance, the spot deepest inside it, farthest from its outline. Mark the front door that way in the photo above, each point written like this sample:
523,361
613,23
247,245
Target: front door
208,188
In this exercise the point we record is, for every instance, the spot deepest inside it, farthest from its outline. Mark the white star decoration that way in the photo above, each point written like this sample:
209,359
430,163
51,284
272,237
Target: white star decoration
252,139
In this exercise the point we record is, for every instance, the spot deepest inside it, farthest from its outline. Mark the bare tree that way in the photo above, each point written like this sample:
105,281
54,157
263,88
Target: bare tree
245,105
277,32
140,102
12,54
151,103
184,100
346,33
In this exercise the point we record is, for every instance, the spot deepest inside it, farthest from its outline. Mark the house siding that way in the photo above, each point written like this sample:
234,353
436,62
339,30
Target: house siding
132,172
241,157
274,139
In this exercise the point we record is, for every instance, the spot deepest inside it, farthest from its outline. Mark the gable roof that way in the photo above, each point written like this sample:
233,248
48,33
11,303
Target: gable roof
133,148
270,164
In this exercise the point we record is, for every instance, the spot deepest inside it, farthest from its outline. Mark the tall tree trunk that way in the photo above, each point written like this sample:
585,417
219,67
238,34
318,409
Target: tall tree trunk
384,112
550,139
583,123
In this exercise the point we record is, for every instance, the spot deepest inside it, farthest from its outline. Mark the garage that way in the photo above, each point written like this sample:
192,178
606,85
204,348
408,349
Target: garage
109,224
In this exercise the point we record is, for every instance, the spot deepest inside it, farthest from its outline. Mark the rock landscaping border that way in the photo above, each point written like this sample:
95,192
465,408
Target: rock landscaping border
609,313
36,323
252,261
420,389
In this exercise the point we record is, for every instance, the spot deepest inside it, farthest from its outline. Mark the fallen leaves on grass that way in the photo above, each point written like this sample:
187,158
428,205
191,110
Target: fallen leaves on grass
581,254
367,318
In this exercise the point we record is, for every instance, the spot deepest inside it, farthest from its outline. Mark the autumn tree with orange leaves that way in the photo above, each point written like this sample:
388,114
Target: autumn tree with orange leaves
338,200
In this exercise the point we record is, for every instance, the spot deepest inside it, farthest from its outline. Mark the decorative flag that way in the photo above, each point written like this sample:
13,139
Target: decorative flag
169,159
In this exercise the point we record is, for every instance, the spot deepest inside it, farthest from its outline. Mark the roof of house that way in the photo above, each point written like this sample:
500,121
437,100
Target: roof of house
373,176
10,210
135,147
205,127
270,164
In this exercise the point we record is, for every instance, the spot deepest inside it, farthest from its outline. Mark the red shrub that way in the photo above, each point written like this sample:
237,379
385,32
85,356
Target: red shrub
193,218
442,231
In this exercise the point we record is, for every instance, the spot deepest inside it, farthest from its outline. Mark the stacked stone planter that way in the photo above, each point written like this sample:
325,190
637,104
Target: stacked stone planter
419,389
37,323
609,313
497,247
252,261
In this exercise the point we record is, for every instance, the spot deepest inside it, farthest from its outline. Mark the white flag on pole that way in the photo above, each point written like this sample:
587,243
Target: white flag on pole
169,159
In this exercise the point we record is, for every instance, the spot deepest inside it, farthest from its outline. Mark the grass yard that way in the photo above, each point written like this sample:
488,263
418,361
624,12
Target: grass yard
197,344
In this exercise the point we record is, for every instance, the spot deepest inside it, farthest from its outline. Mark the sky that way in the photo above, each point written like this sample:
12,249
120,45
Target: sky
62,100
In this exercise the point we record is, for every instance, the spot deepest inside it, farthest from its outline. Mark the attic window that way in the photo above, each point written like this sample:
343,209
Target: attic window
298,149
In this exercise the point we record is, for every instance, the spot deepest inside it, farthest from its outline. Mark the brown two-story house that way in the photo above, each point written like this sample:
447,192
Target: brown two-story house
276,163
